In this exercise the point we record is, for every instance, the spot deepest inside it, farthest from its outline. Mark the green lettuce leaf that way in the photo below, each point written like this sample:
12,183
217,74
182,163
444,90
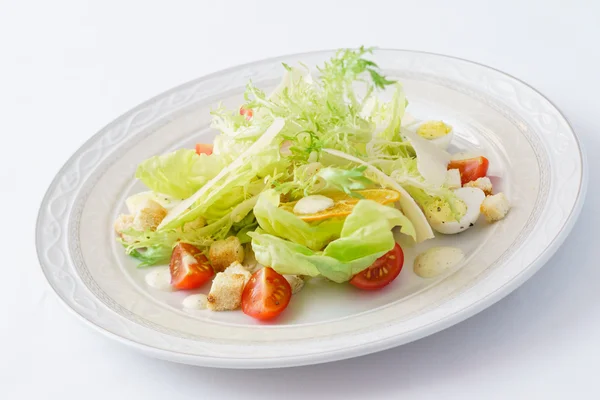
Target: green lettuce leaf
241,179
154,247
178,174
279,222
346,180
365,236
313,178
153,255
408,204
198,235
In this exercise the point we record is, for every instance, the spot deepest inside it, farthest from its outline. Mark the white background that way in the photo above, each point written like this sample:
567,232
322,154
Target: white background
67,68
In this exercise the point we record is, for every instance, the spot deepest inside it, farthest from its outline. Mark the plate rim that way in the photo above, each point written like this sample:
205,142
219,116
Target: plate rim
346,352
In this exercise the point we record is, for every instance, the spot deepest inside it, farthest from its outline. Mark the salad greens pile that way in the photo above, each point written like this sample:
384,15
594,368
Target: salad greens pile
331,133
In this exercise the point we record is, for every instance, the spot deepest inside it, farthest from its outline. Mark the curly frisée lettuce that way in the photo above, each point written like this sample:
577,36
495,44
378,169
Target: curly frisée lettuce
325,112
365,236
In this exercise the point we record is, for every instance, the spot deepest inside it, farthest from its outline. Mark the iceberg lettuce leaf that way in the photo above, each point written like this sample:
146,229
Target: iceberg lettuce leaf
178,174
365,236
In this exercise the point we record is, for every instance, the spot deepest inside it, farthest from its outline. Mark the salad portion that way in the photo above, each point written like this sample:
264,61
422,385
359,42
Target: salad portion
308,181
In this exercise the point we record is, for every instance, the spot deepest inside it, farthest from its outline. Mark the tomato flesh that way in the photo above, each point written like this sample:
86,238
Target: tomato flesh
247,112
266,294
203,148
470,169
189,268
384,270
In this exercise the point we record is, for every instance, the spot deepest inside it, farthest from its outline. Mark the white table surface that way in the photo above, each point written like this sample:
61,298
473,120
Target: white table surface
69,67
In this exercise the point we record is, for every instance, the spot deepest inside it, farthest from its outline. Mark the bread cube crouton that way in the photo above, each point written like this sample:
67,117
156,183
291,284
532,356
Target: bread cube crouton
226,292
495,207
223,252
148,217
194,224
453,179
295,282
123,223
482,183
237,268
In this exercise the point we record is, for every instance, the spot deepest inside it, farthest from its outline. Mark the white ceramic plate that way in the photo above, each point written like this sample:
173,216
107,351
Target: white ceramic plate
534,155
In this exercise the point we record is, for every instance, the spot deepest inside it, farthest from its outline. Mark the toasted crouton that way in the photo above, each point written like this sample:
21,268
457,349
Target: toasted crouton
453,179
195,224
481,183
148,217
237,268
223,252
295,282
123,223
226,292
495,207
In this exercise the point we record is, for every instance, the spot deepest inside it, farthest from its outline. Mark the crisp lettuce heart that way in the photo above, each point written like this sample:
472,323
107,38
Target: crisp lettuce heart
278,222
365,236
178,174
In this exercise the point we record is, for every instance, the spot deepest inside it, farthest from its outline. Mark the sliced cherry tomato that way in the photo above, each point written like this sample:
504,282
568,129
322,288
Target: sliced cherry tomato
470,169
384,270
190,268
203,148
266,294
247,112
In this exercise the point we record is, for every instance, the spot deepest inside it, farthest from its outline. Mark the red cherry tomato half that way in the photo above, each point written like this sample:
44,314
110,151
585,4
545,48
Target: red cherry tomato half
266,294
384,270
470,169
189,268
247,112
203,148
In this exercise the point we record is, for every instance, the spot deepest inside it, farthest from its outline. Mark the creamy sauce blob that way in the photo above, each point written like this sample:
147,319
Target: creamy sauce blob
160,278
313,204
437,260
195,302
